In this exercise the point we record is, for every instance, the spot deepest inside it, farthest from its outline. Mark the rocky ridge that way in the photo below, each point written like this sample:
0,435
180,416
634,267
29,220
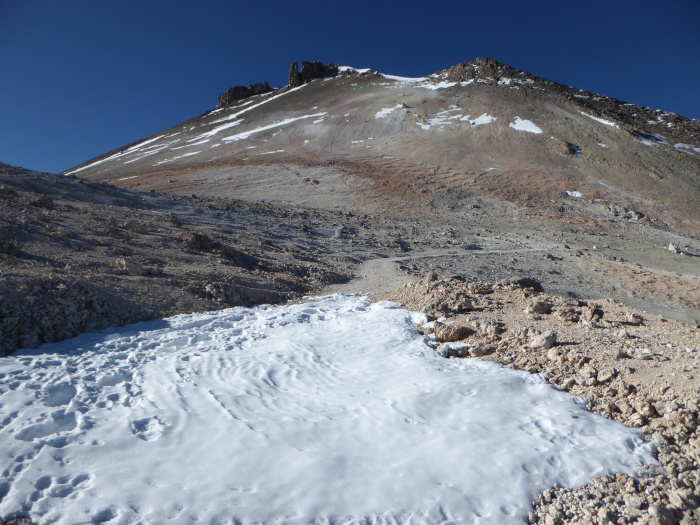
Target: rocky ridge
237,93
640,122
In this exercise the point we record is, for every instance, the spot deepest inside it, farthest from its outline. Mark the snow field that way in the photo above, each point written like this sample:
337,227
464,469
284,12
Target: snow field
333,410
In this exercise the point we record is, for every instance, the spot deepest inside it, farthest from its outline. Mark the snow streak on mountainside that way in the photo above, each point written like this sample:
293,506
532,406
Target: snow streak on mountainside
333,410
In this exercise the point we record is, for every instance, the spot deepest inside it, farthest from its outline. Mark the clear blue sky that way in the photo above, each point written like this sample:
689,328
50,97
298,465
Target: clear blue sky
81,77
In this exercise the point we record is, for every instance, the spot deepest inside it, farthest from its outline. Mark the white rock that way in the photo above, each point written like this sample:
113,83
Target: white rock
479,350
130,267
546,340
553,354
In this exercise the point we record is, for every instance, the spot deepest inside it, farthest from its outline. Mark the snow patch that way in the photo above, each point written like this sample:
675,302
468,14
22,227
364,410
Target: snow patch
190,154
246,134
446,116
574,194
404,79
439,85
686,148
348,69
237,114
204,141
524,125
650,139
217,129
453,115
481,120
383,113
602,121
132,149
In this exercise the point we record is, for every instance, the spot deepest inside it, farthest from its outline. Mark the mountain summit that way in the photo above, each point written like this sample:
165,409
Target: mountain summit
374,140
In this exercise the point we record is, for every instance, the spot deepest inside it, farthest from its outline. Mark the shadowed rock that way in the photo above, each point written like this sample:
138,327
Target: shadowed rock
310,71
236,93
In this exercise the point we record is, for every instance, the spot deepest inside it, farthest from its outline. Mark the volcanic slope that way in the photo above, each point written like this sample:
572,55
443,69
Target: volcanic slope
379,142
599,187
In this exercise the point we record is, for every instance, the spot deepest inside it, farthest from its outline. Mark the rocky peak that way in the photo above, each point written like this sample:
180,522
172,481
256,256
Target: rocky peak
486,69
310,71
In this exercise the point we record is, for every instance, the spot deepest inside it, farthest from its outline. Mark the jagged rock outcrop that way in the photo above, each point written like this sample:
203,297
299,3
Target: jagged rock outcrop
294,76
310,71
486,69
236,93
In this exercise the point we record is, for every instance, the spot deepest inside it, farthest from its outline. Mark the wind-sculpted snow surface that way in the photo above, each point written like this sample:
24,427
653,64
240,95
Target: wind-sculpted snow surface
330,411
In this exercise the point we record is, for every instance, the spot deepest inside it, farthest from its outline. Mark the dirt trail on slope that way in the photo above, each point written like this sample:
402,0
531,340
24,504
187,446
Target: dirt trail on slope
374,276
388,273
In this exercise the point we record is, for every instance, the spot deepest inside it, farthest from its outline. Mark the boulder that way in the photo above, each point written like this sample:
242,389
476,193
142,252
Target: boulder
485,69
131,267
43,202
634,319
526,283
454,350
592,313
430,277
479,350
10,249
539,307
445,333
545,341
7,193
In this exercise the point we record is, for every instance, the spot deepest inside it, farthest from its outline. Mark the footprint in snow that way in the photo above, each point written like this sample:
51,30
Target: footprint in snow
148,428
60,421
59,395
104,516
113,379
